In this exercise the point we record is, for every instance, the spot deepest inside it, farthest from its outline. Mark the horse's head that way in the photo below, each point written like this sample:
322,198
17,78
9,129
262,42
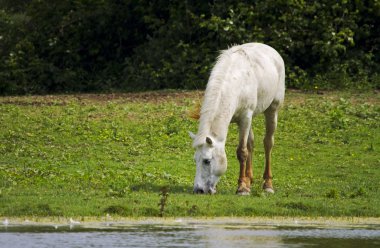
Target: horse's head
211,162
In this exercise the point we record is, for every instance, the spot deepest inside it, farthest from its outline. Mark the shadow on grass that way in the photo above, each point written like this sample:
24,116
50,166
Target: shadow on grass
174,188
41,209
157,188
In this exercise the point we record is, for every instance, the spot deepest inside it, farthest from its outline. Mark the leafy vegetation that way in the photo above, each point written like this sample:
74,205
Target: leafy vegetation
130,155
110,45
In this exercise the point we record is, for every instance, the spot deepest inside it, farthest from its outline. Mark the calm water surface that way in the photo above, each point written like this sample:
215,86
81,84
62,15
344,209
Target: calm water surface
188,235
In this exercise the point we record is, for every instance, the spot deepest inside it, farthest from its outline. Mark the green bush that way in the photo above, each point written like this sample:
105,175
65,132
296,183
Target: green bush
105,45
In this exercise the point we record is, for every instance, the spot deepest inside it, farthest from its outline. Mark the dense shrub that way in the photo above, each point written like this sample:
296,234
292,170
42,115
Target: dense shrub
103,45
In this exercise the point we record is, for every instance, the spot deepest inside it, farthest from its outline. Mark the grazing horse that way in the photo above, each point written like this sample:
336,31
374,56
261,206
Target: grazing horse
246,80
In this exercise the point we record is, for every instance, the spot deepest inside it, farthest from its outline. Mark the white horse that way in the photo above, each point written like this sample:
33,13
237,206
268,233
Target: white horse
247,80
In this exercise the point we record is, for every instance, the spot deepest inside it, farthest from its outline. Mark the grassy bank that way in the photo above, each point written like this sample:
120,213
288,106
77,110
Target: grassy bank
89,155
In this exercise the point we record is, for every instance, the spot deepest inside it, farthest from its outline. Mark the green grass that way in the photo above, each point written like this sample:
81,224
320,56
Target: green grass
89,155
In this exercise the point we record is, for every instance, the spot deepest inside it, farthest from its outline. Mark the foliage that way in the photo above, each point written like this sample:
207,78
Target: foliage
62,46
123,154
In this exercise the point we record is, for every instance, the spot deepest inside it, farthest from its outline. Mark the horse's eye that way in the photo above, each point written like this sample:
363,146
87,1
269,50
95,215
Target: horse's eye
206,161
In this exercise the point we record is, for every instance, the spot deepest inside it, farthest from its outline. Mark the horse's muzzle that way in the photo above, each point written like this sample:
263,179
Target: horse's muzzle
210,191
199,191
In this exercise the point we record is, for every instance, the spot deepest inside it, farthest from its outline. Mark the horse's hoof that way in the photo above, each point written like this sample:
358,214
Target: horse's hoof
242,190
269,190
243,193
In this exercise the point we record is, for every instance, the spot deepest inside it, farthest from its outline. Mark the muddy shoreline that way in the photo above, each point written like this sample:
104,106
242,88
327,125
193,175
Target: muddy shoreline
95,222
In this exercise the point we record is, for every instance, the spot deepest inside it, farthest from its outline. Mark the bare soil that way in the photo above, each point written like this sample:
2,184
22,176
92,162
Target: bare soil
177,96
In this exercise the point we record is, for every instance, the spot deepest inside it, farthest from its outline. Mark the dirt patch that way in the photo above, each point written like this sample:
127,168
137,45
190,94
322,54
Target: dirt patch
141,97
149,97
298,97
180,97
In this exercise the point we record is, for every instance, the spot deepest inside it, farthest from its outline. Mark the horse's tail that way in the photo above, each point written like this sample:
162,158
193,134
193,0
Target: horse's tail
195,112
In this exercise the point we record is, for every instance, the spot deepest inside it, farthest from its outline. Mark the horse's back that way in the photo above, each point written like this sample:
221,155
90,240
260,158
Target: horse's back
267,60
266,81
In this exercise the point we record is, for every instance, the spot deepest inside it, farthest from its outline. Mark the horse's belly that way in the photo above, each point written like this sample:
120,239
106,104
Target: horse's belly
251,110
255,101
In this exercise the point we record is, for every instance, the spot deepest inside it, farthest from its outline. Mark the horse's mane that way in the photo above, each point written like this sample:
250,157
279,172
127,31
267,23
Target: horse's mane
206,112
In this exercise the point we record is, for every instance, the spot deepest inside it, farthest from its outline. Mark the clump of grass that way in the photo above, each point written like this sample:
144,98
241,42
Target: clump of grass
163,200
333,194
360,192
193,210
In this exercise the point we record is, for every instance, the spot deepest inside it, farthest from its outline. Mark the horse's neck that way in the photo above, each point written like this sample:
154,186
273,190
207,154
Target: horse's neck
219,127
217,108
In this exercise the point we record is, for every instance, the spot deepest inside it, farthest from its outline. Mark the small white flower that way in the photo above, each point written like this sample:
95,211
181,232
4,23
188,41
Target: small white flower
6,222
73,222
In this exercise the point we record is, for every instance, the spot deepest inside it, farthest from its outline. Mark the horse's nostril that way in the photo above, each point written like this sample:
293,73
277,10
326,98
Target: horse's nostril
199,191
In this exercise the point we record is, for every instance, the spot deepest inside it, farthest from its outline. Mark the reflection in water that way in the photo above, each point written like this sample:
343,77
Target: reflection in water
187,235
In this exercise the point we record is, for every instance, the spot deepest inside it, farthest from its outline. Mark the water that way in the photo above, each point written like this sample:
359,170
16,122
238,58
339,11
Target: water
188,235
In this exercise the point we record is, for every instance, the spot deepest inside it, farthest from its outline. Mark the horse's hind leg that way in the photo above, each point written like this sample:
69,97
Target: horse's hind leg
270,125
248,166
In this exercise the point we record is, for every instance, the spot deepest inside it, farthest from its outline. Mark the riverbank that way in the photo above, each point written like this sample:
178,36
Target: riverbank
99,222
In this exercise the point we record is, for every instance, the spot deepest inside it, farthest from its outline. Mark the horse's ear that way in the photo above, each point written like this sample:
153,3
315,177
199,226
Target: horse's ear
209,141
192,136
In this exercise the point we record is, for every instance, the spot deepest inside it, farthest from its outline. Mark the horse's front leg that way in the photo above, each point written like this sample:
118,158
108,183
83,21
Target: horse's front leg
244,155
